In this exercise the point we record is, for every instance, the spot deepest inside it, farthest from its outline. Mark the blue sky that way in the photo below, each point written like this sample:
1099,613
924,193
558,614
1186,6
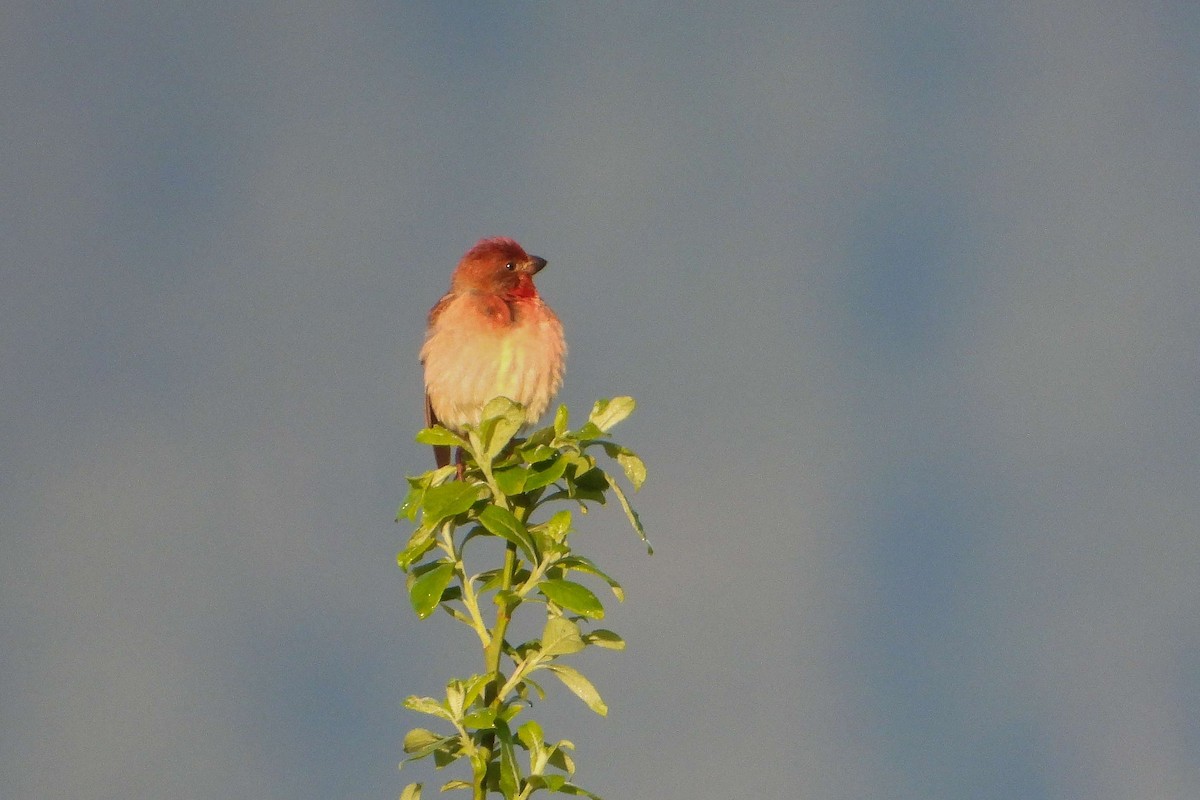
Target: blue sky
909,299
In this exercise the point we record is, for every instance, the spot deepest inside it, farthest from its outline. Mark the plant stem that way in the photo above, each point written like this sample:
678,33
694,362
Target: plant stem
495,647
492,654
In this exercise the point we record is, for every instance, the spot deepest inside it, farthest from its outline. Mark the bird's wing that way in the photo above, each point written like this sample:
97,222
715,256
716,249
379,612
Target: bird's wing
441,452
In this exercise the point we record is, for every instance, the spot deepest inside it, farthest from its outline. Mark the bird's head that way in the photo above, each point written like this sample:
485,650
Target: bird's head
498,266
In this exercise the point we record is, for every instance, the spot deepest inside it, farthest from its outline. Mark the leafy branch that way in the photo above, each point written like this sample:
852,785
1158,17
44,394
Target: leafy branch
506,487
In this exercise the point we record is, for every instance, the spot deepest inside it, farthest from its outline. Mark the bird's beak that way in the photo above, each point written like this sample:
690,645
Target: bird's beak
536,264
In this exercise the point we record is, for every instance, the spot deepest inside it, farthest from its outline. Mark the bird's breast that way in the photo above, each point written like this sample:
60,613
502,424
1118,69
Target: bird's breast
482,348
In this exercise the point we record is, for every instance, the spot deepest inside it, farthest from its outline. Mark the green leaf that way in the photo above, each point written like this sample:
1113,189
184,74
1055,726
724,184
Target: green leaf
535,453
445,750
560,420
550,782
531,735
594,479
427,705
420,739
557,527
442,474
542,437
501,522
607,413
426,590
509,711
580,686
578,459
502,418
551,550
573,597
634,467
602,637
474,687
561,637
499,407
412,501
545,474
418,545
487,580
456,784
450,499
634,519
589,431
511,480
454,697
440,436
480,718
584,564
560,759
510,776
411,792
587,484
523,689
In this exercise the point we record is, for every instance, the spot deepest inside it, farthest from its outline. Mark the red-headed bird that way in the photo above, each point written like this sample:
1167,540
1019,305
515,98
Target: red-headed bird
491,336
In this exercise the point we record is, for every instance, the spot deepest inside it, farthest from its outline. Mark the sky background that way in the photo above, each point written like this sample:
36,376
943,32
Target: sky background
908,294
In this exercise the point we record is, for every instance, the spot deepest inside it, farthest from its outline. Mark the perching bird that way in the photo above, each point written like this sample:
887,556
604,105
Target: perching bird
491,336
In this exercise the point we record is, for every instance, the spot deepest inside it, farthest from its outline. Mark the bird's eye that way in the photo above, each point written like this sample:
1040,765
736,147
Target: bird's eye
510,266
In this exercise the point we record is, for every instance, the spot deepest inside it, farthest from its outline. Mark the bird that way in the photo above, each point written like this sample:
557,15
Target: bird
490,336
